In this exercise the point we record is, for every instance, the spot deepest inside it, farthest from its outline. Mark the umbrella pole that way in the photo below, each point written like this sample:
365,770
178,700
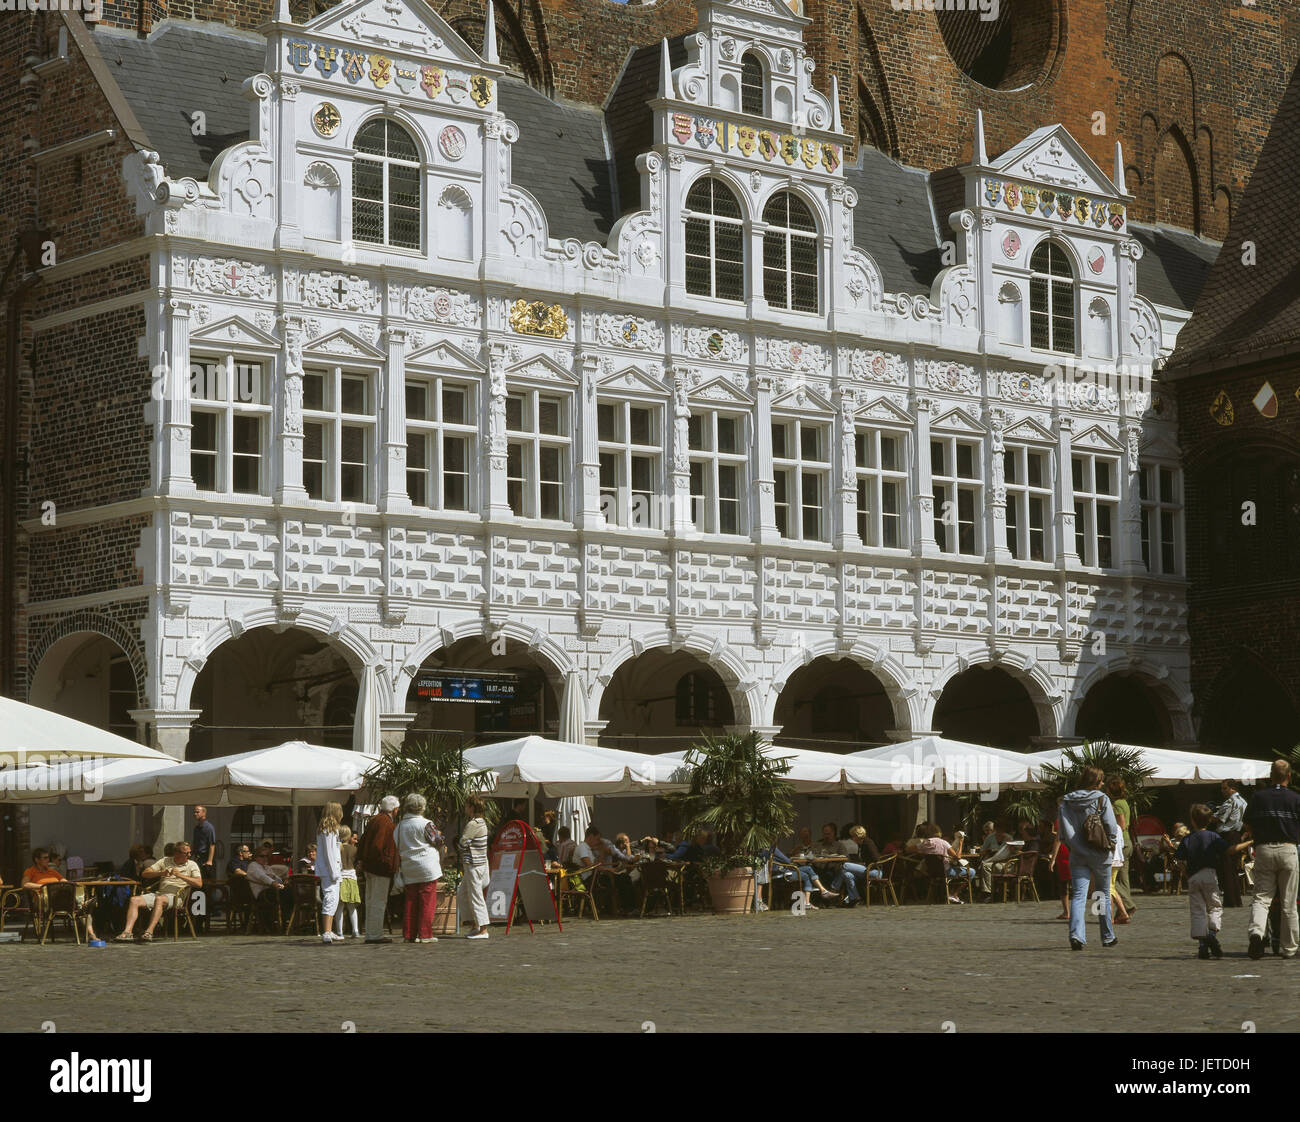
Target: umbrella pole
293,834
131,827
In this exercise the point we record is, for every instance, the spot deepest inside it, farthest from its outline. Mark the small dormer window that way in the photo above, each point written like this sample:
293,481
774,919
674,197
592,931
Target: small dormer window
1051,299
386,186
751,84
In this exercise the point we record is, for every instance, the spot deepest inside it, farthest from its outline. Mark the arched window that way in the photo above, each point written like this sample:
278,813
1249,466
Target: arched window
751,84
1051,299
790,254
715,242
386,186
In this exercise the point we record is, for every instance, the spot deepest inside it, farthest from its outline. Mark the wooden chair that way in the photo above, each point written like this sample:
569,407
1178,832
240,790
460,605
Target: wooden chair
581,896
884,883
916,876
602,880
180,909
654,882
17,900
306,908
241,907
61,903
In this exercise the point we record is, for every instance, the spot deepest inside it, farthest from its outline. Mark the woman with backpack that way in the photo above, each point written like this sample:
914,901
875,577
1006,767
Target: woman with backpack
1089,829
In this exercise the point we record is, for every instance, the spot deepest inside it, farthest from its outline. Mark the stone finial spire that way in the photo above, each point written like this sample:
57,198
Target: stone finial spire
1119,169
981,152
665,73
490,35
836,123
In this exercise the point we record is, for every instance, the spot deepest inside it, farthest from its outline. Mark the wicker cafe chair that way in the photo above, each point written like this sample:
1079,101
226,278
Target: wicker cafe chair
306,909
654,882
240,905
61,903
17,900
916,876
180,910
571,887
884,883
1015,875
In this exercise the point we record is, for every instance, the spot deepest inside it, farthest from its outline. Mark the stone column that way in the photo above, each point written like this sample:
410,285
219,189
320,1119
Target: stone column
494,457
169,732
175,474
679,519
923,541
289,486
592,731
995,523
846,534
1067,556
589,513
763,487
393,728
392,473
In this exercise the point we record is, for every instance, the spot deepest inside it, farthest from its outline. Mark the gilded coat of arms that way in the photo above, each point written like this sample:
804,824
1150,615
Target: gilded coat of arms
706,131
1029,199
992,191
431,80
746,139
480,89
830,156
789,148
538,319
381,71
768,146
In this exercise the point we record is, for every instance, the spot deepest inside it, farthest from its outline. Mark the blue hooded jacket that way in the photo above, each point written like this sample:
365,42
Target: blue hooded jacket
1075,807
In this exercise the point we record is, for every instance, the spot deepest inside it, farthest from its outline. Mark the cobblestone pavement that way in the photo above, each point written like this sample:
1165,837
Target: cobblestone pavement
984,968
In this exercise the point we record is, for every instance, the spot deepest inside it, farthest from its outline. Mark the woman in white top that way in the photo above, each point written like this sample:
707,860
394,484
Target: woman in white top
417,840
474,865
1120,915
329,868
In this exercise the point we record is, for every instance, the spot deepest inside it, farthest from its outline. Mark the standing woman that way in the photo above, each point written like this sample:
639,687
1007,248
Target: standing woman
1118,793
474,865
329,868
417,842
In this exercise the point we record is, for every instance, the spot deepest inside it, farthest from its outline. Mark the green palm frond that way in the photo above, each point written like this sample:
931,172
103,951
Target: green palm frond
432,767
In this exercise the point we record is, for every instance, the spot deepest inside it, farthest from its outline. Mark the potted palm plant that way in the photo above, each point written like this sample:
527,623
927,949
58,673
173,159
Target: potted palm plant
435,768
738,794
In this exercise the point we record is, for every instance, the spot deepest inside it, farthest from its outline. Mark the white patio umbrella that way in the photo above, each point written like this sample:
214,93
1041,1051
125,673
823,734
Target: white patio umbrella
533,765
813,772
365,727
28,733
573,811
1177,766
291,774
78,781
936,764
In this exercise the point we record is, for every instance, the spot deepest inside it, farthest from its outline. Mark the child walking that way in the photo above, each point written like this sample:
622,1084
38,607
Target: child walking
349,889
1203,851
329,868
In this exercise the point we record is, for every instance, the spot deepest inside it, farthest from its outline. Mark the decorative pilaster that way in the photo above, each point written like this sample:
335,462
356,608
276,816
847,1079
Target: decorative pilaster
764,485
589,514
494,455
680,522
289,487
996,510
1067,555
175,474
846,534
923,539
392,483
1131,499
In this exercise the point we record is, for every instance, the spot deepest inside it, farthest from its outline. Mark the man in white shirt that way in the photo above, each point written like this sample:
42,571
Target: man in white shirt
1227,823
589,851
260,878
173,874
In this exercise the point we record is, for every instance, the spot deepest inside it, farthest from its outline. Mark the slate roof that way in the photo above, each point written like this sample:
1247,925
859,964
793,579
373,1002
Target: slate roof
1173,266
563,155
1247,309
177,72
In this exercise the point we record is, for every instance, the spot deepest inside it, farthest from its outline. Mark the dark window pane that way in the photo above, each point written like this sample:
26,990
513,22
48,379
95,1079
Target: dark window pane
313,391
606,424
639,424
729,435
417,402
515,414
454,405
695,432
353,393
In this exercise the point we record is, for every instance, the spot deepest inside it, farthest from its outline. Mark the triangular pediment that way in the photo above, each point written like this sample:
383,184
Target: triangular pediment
400,26
1097,439
231,333
803,397
1051,157
1028,429
445,356
343,342
883,409
632,380
958,420
722,391
540,368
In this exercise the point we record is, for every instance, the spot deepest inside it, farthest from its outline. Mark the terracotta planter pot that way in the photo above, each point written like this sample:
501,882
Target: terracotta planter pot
446,919
732,892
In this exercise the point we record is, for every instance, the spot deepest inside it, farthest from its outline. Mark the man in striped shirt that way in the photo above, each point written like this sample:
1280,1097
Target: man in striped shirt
473,847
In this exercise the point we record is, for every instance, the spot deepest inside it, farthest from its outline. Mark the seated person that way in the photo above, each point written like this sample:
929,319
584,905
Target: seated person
867,855
238,864
139,859
564,847
934,843
701,847
845,875
40,872
588,854
173,875
913,844
806,875
894,845
618,855
307,865
260,879
989,835
1029,836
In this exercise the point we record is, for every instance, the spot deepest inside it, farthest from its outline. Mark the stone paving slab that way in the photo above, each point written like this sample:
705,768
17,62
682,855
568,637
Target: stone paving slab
986,968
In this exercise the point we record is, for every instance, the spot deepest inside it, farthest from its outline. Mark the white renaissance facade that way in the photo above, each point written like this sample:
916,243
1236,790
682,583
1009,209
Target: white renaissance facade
394,412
